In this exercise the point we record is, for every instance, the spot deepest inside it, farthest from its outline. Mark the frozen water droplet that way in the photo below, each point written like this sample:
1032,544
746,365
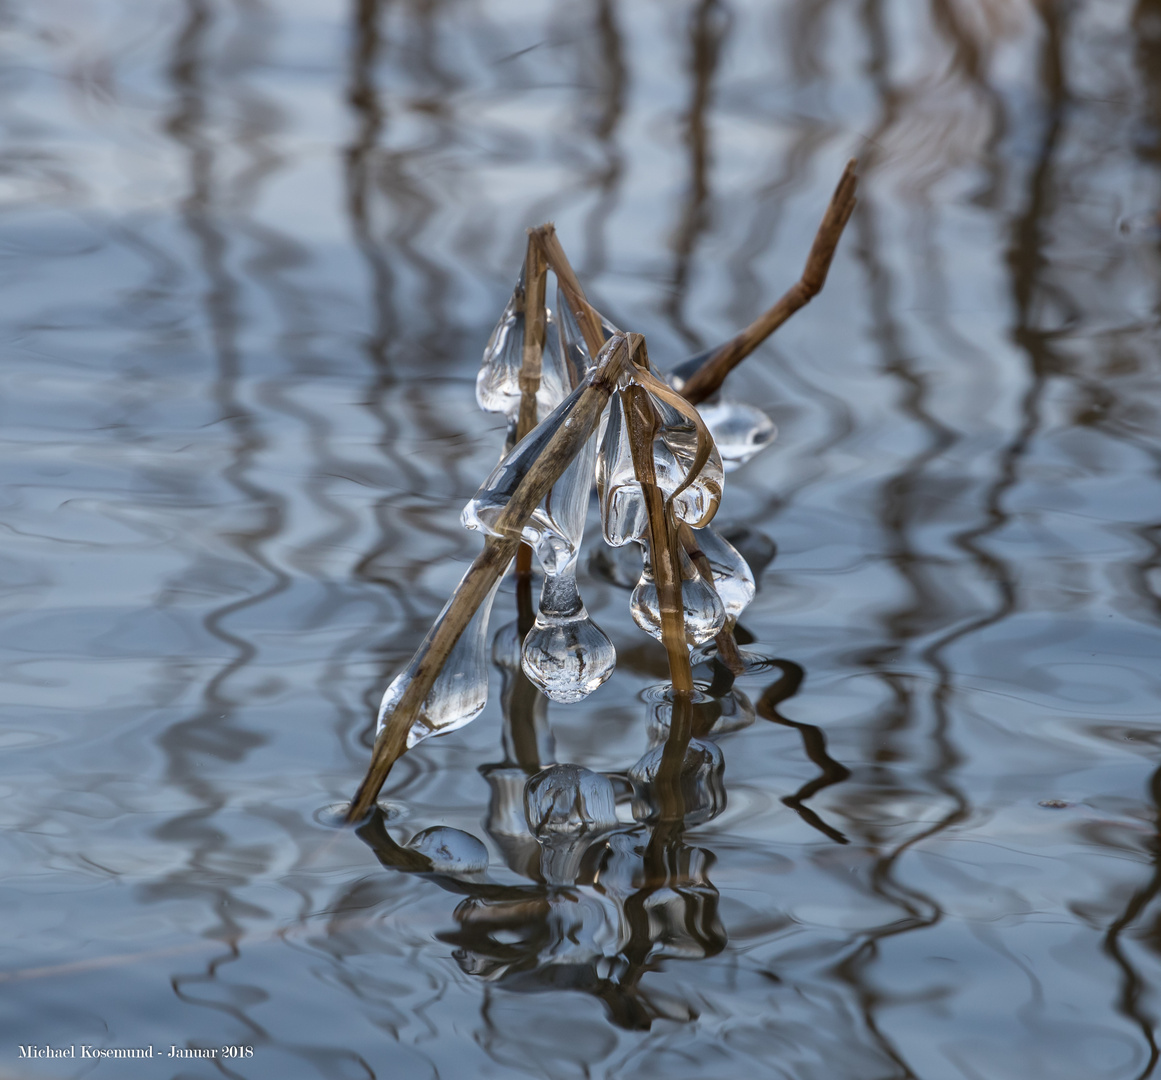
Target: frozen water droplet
674,452
700,781
459,692
557,378
566,800
704,613
560,517
732,578
624,516
752,544
498,381
565,653
572,341
451,851
739,431
489,503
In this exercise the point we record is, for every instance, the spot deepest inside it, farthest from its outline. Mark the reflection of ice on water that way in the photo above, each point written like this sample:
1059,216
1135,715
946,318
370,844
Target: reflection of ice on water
450,851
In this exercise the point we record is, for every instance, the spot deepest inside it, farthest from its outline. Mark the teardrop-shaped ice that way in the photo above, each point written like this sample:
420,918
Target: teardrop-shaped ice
556,379
498,381
623,511
560,517
565,800
732,577
460,690
451,851
624,516
565,653
704,613
574,346
739,431
674,452
490,502
752,544
700,782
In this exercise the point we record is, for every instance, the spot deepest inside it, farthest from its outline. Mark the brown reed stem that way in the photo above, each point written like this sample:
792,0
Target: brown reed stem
535,328
709,377
642,423
490,565
586,315
727,646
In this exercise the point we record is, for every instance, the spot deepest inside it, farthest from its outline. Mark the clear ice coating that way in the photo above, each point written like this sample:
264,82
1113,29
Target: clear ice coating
451,851
565,653
561,514
459,692
674,452
498,381
573,344
705,614
732,577
624,517
566,800
739,431
623,512
490,502
700,781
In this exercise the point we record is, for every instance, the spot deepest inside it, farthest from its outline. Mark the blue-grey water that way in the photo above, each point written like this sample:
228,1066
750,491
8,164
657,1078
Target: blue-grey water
251,252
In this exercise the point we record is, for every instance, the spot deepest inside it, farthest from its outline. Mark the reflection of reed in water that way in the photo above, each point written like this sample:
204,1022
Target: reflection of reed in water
614,888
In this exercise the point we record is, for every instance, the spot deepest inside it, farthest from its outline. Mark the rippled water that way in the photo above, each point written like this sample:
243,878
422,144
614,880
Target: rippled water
252,252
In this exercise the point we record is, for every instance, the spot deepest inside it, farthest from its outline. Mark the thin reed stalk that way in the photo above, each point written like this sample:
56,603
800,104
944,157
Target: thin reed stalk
643,423
535,328
708,378
586,315
727,645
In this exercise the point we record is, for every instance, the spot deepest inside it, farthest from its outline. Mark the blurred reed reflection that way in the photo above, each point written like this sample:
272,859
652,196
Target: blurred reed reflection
249,255
611,895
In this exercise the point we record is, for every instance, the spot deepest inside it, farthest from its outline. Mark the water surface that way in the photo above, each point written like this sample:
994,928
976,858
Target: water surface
251,254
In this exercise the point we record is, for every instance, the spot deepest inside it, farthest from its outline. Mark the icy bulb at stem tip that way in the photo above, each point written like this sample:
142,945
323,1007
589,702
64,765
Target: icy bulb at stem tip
566,655
704,612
